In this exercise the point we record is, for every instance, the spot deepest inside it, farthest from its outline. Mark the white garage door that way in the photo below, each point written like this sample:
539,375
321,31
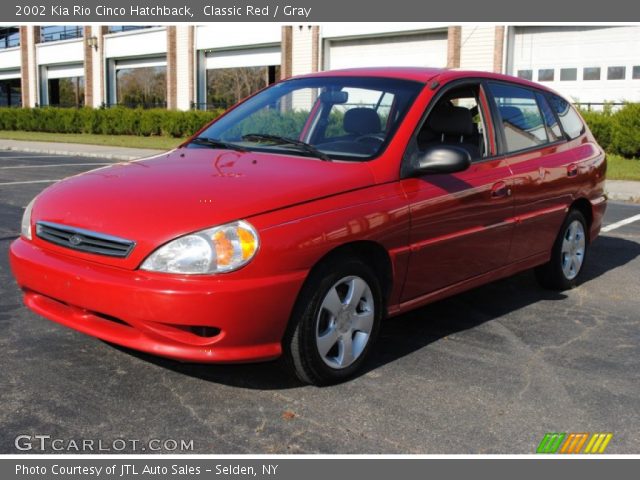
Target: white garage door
9,74
65,71
413,50
245,57
585,63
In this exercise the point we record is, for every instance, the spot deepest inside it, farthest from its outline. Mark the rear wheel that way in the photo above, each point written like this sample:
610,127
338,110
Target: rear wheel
335,322
569,252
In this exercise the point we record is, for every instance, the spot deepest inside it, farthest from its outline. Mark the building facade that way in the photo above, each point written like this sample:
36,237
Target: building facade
215,65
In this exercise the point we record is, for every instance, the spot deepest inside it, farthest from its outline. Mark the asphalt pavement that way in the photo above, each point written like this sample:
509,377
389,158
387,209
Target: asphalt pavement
488,371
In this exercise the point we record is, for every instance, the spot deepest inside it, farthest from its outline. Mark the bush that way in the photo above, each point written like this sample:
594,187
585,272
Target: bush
106,121
8,121
618,132
601,125
151,123
270,121
625,139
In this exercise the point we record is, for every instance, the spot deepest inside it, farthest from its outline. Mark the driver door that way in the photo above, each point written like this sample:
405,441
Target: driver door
460,222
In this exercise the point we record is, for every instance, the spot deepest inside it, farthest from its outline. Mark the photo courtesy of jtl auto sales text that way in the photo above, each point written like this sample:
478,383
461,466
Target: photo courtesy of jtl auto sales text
319,239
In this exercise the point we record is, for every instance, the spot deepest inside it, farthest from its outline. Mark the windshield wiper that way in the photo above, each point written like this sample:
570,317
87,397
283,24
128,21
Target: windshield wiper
212,142
278,140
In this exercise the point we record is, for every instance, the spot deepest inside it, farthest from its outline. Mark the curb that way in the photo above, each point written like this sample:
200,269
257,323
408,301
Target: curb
108,156
623,197
623,190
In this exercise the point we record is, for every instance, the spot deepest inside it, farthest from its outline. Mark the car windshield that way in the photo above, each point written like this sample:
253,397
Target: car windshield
331,118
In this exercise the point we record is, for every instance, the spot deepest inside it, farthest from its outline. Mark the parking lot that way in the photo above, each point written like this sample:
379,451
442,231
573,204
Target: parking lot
488,371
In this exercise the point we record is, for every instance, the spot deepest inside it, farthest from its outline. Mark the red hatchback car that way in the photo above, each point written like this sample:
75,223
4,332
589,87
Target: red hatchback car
298,220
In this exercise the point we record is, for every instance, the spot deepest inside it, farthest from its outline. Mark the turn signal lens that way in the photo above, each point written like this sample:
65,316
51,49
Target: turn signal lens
215,250
25,227
248,242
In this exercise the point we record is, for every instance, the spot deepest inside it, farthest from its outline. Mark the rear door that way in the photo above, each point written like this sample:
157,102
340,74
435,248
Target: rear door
540,160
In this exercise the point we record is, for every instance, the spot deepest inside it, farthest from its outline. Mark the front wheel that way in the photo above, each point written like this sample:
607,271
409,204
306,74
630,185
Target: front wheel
335,322
568,255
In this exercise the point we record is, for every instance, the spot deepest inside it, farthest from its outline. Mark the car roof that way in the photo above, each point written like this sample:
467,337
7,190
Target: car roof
407,73
423,74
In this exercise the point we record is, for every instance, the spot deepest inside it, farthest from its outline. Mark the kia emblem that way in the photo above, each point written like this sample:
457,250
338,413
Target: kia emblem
75,240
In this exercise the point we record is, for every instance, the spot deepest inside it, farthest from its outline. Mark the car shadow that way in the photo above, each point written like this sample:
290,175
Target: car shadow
410,332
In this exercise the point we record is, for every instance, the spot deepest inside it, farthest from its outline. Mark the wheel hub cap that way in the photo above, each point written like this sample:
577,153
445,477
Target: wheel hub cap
343,322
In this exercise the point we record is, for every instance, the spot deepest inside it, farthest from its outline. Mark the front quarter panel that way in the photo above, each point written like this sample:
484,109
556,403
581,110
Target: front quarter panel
297,238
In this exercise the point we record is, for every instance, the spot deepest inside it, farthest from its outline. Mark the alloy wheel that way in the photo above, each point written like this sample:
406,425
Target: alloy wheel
345,322
573,249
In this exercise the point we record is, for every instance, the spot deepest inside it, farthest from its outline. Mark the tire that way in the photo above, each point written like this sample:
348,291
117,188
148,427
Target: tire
330,333
568,255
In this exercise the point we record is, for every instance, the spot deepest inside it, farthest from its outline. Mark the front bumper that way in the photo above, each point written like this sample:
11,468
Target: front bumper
156,313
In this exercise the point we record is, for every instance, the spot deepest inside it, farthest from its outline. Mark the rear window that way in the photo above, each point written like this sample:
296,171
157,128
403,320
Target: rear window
553,129
569,118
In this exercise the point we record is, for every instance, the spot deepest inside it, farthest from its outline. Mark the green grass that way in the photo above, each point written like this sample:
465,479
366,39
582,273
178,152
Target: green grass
620,168
131,141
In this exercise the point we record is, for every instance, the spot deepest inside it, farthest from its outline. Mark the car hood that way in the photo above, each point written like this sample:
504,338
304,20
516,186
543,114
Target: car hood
155,200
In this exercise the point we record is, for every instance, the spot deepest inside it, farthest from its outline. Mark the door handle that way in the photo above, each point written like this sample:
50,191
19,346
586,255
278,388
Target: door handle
572,170
500,190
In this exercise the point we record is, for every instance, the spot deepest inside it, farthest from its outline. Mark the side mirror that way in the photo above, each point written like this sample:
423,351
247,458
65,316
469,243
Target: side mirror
442,159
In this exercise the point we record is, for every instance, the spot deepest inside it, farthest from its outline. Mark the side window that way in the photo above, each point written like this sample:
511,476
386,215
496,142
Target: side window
553,129
456,119
569,118
522,121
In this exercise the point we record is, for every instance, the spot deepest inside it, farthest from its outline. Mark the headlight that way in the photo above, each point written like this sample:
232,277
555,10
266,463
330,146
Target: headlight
214,250
25,226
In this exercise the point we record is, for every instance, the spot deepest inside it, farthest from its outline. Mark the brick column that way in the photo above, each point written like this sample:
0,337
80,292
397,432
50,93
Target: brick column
192,63
172,84
305,41
29,36
101,84
498,50
185,62
315,48
88,66
286,52
483,48
454,35
94,75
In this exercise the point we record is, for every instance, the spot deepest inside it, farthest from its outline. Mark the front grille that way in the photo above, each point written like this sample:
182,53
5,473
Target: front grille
84,240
